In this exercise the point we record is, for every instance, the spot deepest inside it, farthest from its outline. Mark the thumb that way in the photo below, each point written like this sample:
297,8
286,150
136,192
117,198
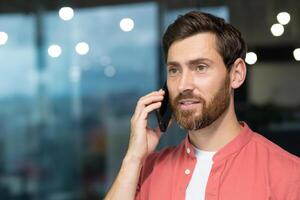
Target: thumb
170,122
158,132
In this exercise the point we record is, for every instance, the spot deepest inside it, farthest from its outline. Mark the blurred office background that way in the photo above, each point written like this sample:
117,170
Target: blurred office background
71,72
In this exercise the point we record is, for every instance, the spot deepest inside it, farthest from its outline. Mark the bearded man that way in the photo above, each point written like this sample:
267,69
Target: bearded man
221,158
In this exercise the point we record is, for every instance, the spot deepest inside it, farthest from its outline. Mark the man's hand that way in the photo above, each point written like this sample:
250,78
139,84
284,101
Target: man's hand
143,140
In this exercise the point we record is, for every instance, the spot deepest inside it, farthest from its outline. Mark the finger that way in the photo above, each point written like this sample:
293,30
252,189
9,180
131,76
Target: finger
153,93
147,110
142,103
157,131
160,92
141,121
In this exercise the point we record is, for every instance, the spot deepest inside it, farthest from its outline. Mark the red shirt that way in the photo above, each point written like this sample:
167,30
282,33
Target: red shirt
249,167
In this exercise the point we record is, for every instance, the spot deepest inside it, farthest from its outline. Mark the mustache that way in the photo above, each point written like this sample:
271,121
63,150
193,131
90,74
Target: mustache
187,95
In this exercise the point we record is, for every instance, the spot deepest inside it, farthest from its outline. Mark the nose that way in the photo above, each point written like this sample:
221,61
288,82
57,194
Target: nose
186,82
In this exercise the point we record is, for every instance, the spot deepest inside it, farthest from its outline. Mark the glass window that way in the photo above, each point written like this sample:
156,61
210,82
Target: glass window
65,120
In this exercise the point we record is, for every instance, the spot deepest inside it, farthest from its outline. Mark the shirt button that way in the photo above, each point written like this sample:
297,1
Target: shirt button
187,171
188,150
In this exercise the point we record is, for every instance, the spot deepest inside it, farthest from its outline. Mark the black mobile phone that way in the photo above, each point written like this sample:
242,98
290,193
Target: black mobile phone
164,113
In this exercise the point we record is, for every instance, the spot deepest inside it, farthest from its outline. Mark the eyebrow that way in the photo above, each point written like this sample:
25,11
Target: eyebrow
190,62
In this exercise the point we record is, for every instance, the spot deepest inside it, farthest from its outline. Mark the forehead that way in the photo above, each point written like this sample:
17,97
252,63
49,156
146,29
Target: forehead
201,45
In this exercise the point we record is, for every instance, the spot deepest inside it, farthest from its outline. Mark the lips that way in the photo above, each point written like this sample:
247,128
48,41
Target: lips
188,101
187,104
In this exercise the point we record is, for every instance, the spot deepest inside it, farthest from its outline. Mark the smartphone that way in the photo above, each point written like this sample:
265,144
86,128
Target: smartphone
164,113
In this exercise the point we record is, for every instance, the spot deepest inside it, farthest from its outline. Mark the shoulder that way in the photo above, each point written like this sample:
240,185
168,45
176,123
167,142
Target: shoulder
280,164
282,167
275,152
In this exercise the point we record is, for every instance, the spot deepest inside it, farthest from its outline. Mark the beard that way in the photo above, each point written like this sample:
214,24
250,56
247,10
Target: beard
210,111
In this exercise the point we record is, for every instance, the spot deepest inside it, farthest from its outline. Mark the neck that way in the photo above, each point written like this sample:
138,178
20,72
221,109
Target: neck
219,133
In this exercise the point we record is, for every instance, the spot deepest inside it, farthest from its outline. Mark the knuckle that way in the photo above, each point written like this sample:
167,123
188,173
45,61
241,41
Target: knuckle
144,114
147,110
140,101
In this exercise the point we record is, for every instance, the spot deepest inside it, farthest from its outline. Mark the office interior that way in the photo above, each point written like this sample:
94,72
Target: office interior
72,71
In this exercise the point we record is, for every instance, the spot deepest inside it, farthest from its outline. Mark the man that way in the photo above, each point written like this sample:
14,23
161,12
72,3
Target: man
221,158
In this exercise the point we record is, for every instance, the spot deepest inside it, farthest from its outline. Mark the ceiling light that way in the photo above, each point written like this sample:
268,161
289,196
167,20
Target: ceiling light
66,13
126,24
251,58
277,30
283,18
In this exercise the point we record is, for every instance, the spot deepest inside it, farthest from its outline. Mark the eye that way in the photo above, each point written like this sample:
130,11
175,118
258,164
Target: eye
172,71
201,68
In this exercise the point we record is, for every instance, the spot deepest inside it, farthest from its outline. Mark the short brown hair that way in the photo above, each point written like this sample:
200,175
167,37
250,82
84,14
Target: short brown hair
230,43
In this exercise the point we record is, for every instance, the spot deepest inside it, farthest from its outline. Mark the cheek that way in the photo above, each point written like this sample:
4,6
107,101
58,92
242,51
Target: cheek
206,88
210,88
172,96
172,89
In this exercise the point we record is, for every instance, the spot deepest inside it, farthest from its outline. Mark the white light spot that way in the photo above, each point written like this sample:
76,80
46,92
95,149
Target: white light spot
251,58
109,71
126,24
283,18
277,30
66,13
54,50
82,48
296,53
3,38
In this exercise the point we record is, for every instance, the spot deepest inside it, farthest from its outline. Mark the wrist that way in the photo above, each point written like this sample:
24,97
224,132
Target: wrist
132,159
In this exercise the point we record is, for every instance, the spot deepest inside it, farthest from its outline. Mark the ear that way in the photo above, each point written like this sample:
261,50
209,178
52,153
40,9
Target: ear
238,73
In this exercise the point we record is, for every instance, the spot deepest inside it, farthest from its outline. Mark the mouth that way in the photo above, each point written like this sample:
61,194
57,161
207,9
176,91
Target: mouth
186,104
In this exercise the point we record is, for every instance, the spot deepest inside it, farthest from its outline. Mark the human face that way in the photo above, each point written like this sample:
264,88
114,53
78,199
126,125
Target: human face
198,81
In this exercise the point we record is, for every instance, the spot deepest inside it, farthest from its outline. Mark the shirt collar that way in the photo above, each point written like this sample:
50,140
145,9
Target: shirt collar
233,146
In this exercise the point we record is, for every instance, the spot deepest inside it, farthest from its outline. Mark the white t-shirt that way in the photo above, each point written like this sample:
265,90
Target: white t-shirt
197,185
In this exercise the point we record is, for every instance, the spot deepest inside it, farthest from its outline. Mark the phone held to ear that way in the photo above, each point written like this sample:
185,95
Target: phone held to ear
164,113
